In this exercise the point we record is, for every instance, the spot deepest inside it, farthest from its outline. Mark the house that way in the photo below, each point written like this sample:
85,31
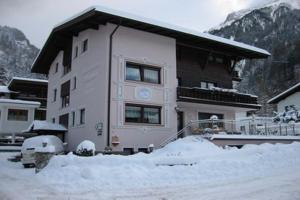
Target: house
125,82
21,101
30,89
290,97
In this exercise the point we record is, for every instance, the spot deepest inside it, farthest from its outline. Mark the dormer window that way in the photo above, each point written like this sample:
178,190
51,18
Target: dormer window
207,85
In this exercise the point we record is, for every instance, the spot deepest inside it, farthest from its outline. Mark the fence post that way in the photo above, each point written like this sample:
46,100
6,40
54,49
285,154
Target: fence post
250,132
13,138
293,129
266,129
280,129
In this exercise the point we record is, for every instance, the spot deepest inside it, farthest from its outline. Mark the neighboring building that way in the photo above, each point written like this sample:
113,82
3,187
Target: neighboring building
21,102
15,115
29,89
290,97
126,82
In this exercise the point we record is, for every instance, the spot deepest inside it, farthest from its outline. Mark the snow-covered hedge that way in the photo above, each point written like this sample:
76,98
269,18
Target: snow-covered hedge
86,148
291,114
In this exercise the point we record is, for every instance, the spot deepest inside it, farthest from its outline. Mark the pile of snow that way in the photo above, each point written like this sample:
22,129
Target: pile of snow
38,143
85,147
188,161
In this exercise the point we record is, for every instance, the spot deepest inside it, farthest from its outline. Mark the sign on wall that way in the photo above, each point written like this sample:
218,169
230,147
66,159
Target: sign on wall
99,128
143,93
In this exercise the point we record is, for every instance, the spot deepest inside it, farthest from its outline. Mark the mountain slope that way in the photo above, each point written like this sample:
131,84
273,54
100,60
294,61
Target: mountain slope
16,54
276,28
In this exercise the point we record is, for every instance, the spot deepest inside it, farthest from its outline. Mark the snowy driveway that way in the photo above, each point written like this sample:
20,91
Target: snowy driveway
254,172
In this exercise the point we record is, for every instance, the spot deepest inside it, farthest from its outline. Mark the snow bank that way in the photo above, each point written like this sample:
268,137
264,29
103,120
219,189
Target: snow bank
187,161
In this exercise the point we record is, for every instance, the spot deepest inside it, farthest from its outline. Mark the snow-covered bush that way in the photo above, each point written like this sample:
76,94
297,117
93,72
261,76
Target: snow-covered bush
291,114
86,148
214,117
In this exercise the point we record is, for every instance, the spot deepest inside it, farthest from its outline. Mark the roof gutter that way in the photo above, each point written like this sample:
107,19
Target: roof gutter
109,81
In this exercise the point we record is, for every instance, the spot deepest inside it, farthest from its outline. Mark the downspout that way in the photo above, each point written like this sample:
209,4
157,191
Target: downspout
109,82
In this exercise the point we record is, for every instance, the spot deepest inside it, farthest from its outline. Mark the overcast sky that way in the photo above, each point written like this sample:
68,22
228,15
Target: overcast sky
36,18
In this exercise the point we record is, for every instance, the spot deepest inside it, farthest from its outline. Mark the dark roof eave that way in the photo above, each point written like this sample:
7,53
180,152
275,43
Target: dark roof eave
42,62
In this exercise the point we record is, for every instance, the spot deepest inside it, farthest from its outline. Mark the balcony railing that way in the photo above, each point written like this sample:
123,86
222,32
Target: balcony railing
216,96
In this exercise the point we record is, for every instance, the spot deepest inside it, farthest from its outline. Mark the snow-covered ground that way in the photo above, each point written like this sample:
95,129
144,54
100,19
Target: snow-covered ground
190,168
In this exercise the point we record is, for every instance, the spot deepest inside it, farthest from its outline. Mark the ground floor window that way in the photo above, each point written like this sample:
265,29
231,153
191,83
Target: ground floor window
207,116
142,114
17,115
64,120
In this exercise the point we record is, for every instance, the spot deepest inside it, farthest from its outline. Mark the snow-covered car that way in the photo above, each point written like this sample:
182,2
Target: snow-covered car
31,145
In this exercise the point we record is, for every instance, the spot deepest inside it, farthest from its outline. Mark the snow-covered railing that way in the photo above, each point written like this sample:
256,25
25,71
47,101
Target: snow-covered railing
248,126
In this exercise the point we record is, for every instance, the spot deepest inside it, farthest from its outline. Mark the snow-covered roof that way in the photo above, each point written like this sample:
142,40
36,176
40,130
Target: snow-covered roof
27,80
4,89
285,94
167,25
16,101
95,15
38,125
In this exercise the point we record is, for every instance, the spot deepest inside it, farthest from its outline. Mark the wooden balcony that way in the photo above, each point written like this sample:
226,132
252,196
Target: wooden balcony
236,76
217,97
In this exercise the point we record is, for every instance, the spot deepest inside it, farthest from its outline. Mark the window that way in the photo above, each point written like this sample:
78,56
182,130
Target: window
128,151
207,116
66,69
207,85
54,94
135,72
144,150
64,120
76,52
85,45
53,120
17,115
73,118
216,59
74,83
65,94
82,116
142,114
56,67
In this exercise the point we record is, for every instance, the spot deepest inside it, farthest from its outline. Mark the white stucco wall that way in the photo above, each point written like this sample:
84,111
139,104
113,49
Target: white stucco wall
149,49
12,126
91,71
293,99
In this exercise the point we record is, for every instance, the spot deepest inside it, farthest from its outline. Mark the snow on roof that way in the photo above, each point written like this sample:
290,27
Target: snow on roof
4,89
166,25
28,79
44,125
284,94
16,101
